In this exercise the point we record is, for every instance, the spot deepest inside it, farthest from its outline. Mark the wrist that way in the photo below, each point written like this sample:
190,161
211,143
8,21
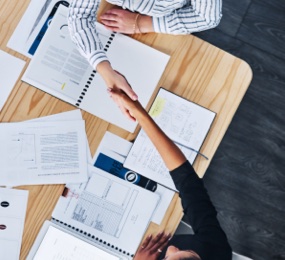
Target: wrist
106,71
104,68
144,24
141,115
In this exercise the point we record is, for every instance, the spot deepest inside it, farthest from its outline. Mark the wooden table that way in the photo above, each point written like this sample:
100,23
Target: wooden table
197,71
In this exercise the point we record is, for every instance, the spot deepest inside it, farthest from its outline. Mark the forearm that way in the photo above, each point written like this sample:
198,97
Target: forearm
170,153
105,69
196,203
81,23
195,17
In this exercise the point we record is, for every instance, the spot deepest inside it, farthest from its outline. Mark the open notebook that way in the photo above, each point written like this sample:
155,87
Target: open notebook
185,122
58,69
106,211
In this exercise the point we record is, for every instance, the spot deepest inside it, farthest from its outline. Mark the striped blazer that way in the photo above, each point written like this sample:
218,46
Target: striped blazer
168,16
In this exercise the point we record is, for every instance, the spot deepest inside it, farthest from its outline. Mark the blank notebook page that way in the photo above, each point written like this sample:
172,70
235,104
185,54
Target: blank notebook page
59,245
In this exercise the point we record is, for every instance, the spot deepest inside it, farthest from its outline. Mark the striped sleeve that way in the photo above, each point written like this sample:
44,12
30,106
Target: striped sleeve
81,23
197,16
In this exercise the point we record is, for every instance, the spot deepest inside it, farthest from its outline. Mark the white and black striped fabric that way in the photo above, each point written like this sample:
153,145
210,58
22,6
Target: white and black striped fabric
169,16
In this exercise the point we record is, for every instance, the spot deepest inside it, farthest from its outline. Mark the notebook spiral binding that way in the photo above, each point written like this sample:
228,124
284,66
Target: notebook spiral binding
86,87
92,238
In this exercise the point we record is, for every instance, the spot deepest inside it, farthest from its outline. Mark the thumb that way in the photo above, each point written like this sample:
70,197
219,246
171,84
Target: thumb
127,88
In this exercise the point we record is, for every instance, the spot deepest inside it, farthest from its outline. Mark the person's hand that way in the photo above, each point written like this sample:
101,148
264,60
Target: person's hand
133,108
152,247
119,20
118,83
123,21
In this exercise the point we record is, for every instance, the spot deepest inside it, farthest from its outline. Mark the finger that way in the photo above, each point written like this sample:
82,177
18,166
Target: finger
113,11
146,242
162,243
124,110
109,23
130,116
154,241
128,89
110,17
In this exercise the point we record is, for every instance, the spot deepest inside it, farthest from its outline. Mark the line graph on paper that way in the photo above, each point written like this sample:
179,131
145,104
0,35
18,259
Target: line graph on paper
106,208
22,149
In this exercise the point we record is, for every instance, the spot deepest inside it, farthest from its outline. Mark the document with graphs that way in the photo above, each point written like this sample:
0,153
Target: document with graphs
49,152
183,121
109,212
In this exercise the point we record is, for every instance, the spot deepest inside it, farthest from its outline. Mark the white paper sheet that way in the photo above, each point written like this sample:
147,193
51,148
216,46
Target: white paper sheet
29,27
11,68
66,116
107,208
13,204
42,153
184,122
118,148
58,245
59,69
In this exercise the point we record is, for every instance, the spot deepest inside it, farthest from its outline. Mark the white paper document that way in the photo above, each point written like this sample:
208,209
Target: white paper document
42,153
13,204
107,210
60,70
33,25
116,149
185,122
58,245
65,116
11,68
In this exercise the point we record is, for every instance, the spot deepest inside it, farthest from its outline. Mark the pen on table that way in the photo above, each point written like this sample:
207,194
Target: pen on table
190,148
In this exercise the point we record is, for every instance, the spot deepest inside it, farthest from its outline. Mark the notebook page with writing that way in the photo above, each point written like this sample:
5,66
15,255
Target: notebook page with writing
112,212
185,122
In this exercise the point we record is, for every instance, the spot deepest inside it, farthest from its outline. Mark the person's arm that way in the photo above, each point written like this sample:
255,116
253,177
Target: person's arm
195,16
196,203
81,21
170,153
123,21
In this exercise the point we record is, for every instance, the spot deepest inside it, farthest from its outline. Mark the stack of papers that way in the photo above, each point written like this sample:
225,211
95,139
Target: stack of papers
13,205
49,150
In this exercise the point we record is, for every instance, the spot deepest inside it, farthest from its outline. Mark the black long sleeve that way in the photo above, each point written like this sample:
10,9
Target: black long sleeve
209,240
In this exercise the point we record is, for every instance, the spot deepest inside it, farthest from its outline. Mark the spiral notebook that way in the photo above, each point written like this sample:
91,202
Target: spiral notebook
58,69
186,123
106,211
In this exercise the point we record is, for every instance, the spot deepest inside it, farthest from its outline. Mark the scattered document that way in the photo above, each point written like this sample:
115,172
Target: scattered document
65,116
13,204
11,68
58,245
106,210
185,122
60,70
116,149
42,153
33,26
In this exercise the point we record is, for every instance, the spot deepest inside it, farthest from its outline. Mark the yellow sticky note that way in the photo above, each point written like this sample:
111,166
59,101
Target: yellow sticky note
157,107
